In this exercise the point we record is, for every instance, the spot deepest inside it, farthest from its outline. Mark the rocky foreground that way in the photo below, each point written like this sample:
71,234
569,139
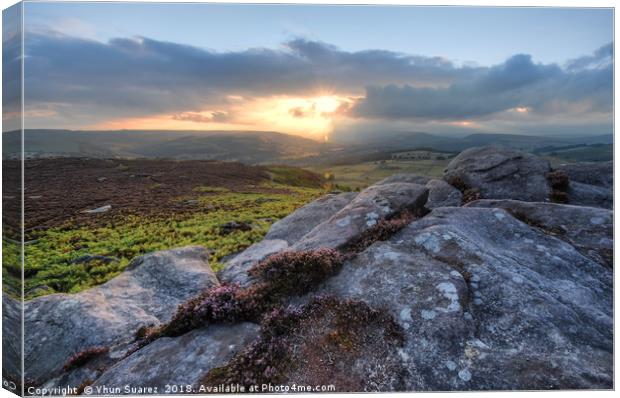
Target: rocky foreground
478,281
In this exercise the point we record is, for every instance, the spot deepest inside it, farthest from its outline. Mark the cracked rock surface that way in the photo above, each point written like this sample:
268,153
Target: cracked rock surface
487,302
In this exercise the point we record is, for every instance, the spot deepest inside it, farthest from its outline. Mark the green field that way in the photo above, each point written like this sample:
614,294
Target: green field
361,175
578,153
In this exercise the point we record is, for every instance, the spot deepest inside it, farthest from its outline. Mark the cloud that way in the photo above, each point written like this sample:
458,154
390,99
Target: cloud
600,58
140,75
517,83
212,117
300,111
84,81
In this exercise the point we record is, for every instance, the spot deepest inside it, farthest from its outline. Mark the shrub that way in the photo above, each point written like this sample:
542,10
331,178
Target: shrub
383,230
84,356
558,197
216,305
559,182
343,328
292,272
278,277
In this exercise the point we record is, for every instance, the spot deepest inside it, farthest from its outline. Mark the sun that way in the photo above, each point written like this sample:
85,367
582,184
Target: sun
326,104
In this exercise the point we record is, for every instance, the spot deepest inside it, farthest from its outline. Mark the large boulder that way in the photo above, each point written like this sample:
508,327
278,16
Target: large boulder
294,226
500,173
488,302
373,204
588,229
58,326
591,183
178,361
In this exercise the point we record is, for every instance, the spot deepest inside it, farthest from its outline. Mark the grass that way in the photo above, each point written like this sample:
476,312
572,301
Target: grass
295,177
361,175
579,153
11,268
49,260
208,189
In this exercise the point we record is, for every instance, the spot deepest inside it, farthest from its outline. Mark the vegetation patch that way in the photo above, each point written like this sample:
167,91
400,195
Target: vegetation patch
358,173
295,177
383,230
559,183
84,356
51,261
278,277
328,342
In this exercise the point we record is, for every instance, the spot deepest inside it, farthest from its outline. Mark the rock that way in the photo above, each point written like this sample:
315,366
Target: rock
101,179
591,184
600,174
236,269
102,209
362,213
11,341
294,226
500,173
179,361
488,302
590,195
588,229
148,292
233,226
94,257
442,194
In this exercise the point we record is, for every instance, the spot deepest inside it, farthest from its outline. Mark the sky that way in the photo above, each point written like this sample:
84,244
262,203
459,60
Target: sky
317,71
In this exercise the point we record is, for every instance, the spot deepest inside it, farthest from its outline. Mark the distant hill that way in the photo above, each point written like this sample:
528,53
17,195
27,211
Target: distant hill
381,141
242,146
254,147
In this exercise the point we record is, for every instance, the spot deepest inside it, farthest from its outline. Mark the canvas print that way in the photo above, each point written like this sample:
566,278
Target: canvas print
277,198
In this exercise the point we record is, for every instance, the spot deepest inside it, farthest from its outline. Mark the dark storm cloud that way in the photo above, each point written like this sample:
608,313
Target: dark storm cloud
133,77
519,82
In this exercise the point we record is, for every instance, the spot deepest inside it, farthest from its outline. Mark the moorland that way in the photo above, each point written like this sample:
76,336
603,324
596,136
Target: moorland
89,211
